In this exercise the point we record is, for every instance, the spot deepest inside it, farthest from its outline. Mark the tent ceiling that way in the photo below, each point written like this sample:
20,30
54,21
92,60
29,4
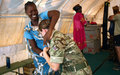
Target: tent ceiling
17,6
13,18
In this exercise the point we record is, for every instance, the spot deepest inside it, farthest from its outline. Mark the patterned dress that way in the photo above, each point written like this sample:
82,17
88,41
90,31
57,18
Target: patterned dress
42,68
63,50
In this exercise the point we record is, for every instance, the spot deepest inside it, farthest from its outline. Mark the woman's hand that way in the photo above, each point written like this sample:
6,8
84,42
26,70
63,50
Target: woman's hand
111,18
45,51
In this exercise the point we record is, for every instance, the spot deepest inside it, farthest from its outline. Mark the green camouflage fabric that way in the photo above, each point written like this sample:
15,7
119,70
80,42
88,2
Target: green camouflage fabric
64,50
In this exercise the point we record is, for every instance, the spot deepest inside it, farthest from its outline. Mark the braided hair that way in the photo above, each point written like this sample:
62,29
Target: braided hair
28,4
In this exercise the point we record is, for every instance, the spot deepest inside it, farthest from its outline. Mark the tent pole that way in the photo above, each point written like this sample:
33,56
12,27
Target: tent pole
105,17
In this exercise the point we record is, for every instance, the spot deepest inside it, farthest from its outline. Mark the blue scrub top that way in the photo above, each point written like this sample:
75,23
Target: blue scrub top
29,34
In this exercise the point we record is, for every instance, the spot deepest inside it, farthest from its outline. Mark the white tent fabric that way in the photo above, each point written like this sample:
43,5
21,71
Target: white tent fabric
13,18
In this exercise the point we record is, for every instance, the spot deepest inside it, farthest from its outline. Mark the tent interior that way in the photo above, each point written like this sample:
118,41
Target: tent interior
13,20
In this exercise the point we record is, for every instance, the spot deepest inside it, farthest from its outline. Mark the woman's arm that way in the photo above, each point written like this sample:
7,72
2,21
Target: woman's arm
34,46
54,16
54,66
31,41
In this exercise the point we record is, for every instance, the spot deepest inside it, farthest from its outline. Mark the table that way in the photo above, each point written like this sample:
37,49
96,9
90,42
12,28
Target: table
15,65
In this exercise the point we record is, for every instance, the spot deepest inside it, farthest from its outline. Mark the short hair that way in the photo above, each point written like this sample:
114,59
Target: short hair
28,4
77,7
115,9
44,24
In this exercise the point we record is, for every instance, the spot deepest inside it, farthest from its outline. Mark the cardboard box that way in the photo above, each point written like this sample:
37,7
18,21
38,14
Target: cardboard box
28,69
92,32
92,35
93,46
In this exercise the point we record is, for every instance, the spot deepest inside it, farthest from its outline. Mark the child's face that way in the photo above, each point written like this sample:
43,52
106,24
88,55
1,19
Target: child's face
44,31
32,12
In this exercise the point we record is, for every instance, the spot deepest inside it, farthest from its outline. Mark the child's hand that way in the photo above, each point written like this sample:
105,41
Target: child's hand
41,54
46,49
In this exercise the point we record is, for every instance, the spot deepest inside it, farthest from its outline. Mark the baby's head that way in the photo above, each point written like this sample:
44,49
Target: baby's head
43,26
